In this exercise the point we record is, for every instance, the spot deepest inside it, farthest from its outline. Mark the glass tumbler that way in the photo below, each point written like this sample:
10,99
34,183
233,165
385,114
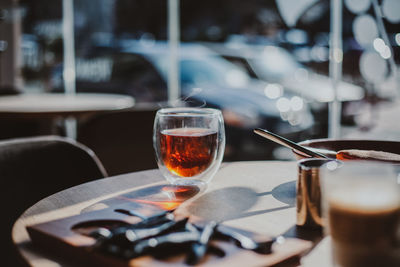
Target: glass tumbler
189,144
361,203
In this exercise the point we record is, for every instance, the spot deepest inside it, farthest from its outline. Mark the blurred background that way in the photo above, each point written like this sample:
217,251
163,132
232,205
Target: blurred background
263,63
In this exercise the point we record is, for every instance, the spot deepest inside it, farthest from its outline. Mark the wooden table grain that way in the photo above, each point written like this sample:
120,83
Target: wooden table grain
253,195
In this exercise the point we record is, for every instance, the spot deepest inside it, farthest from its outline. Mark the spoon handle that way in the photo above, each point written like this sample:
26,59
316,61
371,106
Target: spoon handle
287,143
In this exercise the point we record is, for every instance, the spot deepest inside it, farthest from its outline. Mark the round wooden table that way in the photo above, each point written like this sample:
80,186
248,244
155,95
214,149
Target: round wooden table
257,196
55,106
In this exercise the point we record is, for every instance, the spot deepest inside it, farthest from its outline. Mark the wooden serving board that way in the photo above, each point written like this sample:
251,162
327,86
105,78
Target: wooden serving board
65,237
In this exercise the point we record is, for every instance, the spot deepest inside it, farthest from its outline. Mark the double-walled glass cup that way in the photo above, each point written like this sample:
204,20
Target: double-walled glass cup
189,144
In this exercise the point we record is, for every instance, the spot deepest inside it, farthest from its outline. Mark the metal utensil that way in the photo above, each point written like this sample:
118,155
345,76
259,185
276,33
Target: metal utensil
290,144
260,243
199,248
160,215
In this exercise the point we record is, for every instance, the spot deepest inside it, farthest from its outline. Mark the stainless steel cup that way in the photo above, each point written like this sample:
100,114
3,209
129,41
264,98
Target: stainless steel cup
308,193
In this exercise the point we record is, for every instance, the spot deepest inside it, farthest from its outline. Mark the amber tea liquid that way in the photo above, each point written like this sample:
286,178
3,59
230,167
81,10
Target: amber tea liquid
187,152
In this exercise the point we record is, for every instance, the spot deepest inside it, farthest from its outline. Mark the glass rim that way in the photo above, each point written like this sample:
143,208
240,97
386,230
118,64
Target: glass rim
188,111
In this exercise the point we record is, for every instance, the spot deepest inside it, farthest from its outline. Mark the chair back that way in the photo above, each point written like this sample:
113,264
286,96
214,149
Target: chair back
34,168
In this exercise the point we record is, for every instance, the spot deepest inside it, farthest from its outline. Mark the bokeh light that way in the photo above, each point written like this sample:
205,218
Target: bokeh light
283,104
273,90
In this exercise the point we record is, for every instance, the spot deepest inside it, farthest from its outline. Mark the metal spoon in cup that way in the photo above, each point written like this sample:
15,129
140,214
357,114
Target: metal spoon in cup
312,152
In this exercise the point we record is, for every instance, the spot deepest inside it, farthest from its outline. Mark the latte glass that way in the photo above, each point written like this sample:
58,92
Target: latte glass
361,205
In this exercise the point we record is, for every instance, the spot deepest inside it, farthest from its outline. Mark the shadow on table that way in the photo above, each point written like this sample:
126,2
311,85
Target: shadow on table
220,205
223,204
233,202
164,197
313,235
285,193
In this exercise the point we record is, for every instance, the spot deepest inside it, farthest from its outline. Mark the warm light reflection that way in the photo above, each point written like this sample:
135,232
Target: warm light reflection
165,205
180,192
166,197
175,189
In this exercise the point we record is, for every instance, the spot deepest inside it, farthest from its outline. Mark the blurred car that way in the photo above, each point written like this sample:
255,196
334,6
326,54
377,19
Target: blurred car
208,80
278,67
